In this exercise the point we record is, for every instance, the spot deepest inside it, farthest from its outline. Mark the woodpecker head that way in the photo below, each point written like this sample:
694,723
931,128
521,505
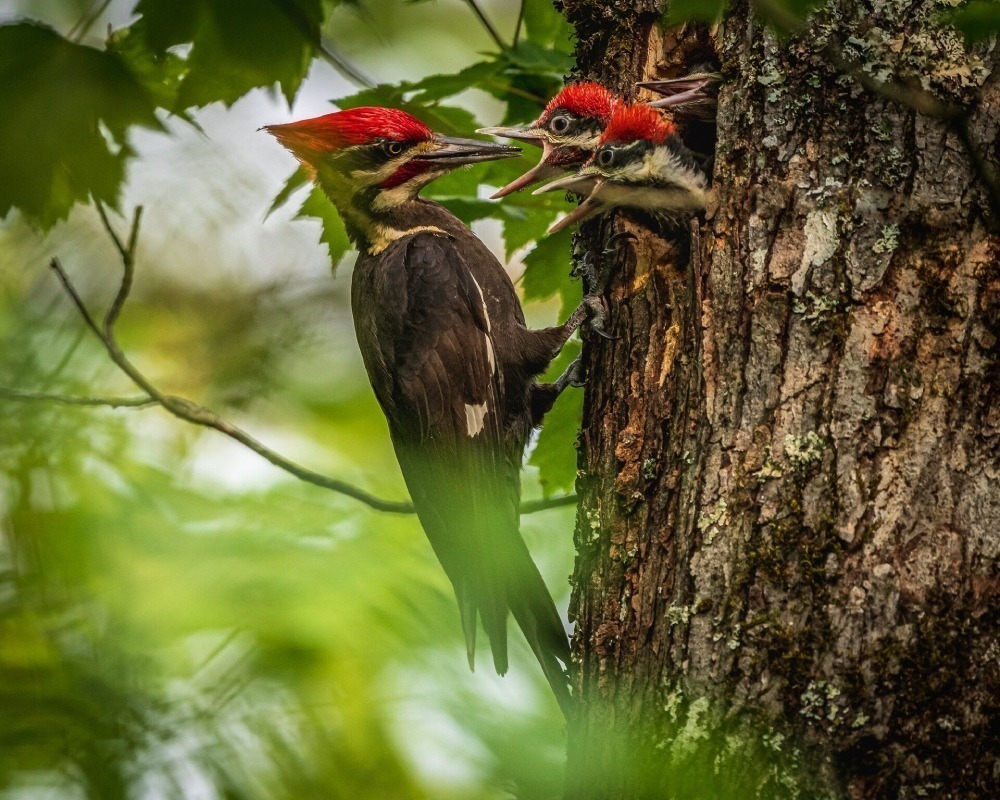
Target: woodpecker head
372,160
639,162
567,131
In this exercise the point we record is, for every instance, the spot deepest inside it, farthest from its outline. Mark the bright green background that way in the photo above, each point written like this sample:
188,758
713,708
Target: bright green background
177,617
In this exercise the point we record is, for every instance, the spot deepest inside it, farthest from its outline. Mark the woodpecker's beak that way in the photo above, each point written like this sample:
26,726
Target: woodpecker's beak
458,152
530,135
679,91
588,208
582,183
540,172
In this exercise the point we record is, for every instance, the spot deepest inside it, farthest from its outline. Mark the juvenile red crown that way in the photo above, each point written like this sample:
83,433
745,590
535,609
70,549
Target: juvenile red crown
353,126
584,100
631,123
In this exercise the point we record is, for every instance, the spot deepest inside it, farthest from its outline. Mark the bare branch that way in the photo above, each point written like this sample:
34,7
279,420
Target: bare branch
332,57
111,231
73,400
192,412
534,506
487,24
517,26
86,22
128,262
75,297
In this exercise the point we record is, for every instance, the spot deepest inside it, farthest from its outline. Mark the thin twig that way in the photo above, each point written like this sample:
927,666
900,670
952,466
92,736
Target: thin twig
517,26
75,297
345,67
74,400
86,22
111,231
196,414
487,24
127,252
534,506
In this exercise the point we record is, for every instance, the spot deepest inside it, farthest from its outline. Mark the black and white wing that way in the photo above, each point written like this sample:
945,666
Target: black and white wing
443,393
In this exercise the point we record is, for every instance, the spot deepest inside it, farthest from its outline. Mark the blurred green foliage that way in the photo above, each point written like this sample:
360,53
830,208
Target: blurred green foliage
178,619
67,109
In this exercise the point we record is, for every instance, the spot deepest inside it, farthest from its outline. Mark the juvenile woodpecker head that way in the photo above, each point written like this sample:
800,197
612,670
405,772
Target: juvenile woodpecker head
567,131
371,161
639,162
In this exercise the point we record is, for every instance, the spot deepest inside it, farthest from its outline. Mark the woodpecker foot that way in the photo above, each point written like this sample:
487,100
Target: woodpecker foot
573,376
611,245
587,270
597,315
544,395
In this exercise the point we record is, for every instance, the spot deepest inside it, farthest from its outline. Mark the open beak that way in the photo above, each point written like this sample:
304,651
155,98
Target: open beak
588,208
458,152
540,172
679,91
582,183
530,135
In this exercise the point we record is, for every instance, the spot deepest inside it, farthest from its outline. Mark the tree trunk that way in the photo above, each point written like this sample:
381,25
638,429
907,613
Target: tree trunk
788,540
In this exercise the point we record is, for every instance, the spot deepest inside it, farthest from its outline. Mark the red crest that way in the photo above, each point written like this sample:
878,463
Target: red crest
631,123
583,100
354,126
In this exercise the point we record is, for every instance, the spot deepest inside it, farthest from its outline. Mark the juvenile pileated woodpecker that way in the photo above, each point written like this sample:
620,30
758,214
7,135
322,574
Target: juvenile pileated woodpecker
640,162
694,95
452,364
567,131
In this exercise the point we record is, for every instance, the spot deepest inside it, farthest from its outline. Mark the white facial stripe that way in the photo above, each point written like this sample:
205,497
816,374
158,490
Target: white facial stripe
475,418
386,171
585,141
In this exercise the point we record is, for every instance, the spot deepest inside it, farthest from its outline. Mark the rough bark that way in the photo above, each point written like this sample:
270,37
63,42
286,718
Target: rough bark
788,541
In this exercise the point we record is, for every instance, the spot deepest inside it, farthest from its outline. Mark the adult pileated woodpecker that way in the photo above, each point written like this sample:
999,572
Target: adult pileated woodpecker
452,364
640,162
567,131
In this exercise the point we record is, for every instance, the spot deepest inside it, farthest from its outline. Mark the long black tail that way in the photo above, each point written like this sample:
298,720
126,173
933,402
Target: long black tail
473,525
536,615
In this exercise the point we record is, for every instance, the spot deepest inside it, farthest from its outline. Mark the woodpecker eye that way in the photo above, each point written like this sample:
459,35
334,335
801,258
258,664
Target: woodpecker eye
392,148
559,124
606,158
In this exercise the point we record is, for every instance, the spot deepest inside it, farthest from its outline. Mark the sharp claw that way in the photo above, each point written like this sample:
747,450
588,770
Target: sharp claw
597,312
611,245
618,235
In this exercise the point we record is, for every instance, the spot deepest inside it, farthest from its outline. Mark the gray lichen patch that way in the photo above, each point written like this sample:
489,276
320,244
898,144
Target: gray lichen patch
821,242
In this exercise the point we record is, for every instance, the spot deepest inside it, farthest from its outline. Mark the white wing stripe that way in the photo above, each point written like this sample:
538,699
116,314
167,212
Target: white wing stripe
475,418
